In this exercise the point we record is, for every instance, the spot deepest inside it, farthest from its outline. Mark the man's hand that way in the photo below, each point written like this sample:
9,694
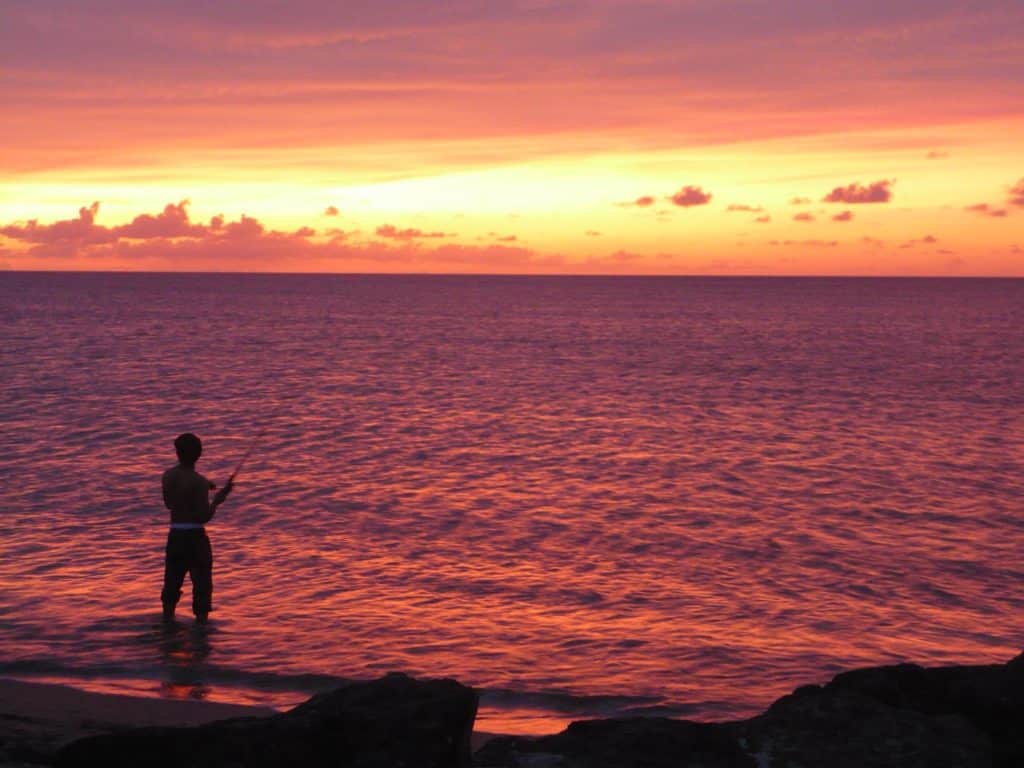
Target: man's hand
222,494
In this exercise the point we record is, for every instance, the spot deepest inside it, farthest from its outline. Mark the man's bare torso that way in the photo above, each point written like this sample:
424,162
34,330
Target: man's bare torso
186,494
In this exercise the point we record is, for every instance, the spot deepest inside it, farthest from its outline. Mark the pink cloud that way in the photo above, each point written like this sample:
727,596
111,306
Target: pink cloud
1017,193
844,216
645,201
690,196
81,230
173,221
393,232
804,217
808,243
167,231
987,210
742,207
463,70
876,192
926,240
170,240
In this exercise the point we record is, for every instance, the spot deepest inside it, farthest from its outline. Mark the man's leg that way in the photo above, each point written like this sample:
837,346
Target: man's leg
175,566
202,577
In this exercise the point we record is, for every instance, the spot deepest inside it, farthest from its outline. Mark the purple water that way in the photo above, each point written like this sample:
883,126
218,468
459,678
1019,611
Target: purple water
584,496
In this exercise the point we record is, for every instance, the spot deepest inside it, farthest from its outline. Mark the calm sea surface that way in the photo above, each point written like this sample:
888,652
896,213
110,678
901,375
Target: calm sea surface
583,496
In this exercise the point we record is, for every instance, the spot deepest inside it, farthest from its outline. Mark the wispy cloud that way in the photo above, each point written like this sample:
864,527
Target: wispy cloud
844,216
985,209
395,233
805,217
742,207
806,243
645,201
1017,193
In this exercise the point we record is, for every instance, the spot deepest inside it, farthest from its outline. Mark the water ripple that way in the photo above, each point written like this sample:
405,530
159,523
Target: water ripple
692,494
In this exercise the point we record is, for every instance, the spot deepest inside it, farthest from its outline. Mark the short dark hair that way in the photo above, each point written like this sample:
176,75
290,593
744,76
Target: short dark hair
188,447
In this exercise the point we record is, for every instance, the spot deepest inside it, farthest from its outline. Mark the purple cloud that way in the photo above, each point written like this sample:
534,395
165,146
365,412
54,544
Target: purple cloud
80,230
170,240
877,192
690,196
987,210
393,232
173,221
1017,193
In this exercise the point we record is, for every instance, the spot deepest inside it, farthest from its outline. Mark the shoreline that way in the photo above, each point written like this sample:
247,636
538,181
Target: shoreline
889,715
37,718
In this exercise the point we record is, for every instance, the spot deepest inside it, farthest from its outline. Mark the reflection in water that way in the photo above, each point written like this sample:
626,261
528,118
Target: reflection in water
692,493
184,650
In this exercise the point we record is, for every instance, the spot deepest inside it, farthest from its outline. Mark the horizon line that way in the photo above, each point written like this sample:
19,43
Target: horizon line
257,273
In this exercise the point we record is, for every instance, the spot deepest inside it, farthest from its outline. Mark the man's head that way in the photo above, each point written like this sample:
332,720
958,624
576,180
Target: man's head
189,448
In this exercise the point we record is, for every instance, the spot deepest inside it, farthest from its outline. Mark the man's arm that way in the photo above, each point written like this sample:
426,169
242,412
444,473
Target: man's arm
165,484
218,499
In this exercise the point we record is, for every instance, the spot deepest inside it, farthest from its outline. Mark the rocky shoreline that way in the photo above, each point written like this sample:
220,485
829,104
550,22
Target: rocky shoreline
902,715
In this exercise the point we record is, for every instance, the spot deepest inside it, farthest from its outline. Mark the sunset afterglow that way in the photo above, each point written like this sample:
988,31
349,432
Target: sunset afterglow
514,137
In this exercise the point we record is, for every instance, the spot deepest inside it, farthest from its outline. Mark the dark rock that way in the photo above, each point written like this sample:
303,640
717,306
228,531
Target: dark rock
990,697
901,716
849,729
394,722
621,743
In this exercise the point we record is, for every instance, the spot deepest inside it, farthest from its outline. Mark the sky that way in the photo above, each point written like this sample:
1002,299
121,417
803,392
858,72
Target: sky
775,137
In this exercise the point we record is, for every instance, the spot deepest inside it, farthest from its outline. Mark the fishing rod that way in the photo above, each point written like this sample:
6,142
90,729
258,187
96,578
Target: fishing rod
247,454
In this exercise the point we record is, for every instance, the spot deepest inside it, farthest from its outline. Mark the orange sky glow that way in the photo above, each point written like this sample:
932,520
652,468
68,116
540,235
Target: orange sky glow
527,136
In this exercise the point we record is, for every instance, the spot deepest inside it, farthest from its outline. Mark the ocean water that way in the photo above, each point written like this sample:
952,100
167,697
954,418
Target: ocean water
584,496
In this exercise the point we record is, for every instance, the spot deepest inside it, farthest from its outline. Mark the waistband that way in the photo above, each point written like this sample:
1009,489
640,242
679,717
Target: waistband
187,526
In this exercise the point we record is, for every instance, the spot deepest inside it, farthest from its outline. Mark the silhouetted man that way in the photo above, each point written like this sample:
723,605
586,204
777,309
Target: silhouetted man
186,494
